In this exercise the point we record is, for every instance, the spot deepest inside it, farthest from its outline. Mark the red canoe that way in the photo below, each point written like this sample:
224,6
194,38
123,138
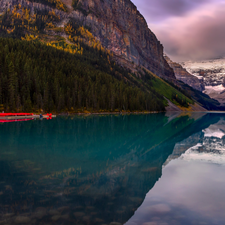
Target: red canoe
15,114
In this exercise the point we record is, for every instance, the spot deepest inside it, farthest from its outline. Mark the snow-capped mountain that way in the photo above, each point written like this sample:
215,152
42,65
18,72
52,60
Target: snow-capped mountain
212,72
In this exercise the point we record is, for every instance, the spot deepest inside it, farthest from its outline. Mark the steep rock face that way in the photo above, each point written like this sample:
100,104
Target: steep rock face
183,75
120,28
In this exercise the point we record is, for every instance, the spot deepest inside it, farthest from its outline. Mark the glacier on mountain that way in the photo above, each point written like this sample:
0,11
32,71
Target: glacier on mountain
212,72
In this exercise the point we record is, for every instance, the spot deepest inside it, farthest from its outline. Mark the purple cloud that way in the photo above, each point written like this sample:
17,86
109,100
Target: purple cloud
158,10
188,29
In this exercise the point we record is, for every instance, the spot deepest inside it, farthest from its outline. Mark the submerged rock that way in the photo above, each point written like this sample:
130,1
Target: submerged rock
63,208
54,212
98,220
78,214
39,213
66,216
8,214
22,219
86,218
56,217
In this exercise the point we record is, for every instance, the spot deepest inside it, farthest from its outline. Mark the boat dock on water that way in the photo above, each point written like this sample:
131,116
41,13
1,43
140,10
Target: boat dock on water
7,117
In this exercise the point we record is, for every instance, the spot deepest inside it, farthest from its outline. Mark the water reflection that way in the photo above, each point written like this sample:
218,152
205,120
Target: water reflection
88,170
191,190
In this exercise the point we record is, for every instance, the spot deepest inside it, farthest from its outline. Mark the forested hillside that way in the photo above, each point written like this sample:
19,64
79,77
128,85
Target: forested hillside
67,69
201,98
34,76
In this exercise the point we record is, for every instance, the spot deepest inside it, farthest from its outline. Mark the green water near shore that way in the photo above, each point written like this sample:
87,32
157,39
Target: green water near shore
89,170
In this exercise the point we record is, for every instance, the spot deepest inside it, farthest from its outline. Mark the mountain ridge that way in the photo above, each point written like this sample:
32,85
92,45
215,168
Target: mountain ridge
121,35
122,30
212,72
183,75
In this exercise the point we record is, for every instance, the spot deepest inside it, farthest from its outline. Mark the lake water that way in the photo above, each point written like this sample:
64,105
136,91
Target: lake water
98,170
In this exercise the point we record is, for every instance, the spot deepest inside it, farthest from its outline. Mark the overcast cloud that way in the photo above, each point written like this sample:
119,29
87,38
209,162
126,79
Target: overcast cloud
188,29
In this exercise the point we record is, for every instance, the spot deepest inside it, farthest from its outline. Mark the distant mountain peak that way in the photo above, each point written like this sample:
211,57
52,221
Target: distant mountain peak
212,72
183,75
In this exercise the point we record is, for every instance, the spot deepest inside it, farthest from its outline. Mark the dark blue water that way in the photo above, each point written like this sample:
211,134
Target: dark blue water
134,169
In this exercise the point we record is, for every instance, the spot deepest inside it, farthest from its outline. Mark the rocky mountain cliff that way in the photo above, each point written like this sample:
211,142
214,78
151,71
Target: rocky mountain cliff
183,75
116,28
123,30
119,27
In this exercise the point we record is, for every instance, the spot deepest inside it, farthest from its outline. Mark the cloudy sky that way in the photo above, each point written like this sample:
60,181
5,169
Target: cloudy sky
188,29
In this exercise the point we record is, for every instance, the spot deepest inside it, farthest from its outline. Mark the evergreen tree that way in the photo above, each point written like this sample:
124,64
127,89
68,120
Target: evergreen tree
34,76
46,98
12,86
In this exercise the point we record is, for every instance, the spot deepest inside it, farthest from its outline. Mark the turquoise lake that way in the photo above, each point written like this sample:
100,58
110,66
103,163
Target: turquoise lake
155,169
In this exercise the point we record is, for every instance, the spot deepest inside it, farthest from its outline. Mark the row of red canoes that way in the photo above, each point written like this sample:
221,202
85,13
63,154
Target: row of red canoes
21,114
15,114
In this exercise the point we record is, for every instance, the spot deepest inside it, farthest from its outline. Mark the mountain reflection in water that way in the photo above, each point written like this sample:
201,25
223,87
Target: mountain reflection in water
89,170
191,189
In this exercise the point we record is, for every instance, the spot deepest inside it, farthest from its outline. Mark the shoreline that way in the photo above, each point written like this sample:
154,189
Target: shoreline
135,113
108,113
117,113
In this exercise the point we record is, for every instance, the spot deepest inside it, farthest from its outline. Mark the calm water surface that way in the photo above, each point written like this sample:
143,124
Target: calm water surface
136,169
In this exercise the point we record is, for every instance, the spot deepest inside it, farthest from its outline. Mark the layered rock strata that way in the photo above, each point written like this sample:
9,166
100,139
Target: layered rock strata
183,75
120,28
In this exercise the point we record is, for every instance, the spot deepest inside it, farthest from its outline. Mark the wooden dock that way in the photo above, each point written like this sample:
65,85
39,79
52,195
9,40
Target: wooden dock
26,117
